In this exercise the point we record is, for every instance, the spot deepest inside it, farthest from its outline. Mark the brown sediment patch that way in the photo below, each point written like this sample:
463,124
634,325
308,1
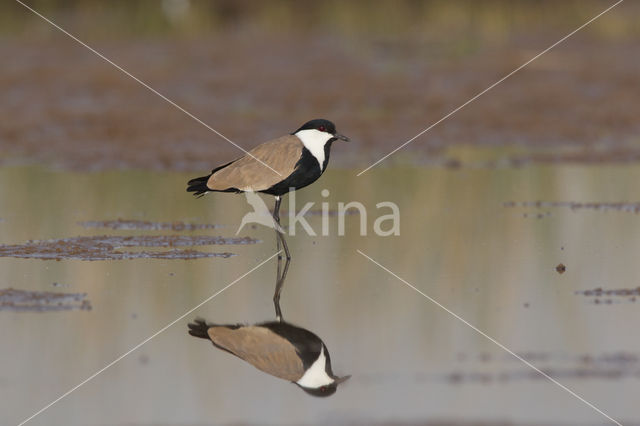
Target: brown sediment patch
584,373
602,296
41,301
348,212
607,366
631,207
105,247
620,358
145,225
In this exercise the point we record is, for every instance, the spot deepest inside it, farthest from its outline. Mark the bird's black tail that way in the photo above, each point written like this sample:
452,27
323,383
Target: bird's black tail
198,185
199,328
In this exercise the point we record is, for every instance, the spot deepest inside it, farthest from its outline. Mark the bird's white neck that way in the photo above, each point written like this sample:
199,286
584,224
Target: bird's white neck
316,375
315,140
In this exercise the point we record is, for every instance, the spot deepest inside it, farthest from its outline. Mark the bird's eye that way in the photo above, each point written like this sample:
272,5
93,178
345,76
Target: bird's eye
321,128
323,389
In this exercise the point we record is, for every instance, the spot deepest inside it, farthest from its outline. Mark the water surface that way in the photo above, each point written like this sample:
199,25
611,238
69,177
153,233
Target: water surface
474,239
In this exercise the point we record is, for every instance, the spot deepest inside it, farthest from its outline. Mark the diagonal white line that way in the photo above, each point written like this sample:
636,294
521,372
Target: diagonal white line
88,379
500,345
492,86
145,85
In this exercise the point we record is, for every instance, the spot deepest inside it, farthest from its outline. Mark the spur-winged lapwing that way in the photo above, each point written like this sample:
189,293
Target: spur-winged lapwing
299,160
277,348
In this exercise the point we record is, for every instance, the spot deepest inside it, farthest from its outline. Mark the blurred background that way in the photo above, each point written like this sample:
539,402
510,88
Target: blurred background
382,70
518,213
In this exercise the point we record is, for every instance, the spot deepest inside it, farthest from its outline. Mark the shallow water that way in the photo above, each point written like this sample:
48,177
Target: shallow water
473,239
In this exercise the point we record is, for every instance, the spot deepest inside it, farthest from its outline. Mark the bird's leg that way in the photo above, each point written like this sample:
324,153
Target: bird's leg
279,268
281,274
276,296
276,218
279,232
284,245
279,285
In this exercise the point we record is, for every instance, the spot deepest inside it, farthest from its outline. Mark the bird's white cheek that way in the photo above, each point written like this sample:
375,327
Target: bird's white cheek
316,376
315,140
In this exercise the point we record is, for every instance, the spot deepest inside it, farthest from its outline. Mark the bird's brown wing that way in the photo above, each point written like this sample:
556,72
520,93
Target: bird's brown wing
261,348
248,174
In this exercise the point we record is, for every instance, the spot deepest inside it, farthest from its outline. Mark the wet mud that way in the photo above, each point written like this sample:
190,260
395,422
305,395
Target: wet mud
573,205
107,247
143,225
537,215
606,366
42,301
600,296
331,213
87,116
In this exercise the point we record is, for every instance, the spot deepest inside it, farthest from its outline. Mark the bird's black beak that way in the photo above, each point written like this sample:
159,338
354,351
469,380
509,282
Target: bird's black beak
341,137
339,380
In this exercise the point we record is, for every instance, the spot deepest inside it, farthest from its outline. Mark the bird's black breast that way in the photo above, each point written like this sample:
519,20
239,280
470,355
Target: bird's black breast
307,344
306,172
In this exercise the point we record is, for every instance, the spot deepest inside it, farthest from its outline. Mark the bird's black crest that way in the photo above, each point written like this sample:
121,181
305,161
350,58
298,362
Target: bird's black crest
328,126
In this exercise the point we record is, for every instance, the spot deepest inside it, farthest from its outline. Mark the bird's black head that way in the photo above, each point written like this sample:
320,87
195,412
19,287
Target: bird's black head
319,124
326,390
322,125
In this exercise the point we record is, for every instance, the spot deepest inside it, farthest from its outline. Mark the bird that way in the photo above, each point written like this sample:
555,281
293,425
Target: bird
277,348
275,167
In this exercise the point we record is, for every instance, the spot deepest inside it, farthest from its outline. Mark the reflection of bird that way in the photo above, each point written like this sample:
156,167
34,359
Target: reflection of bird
277,348
259,215
294,161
